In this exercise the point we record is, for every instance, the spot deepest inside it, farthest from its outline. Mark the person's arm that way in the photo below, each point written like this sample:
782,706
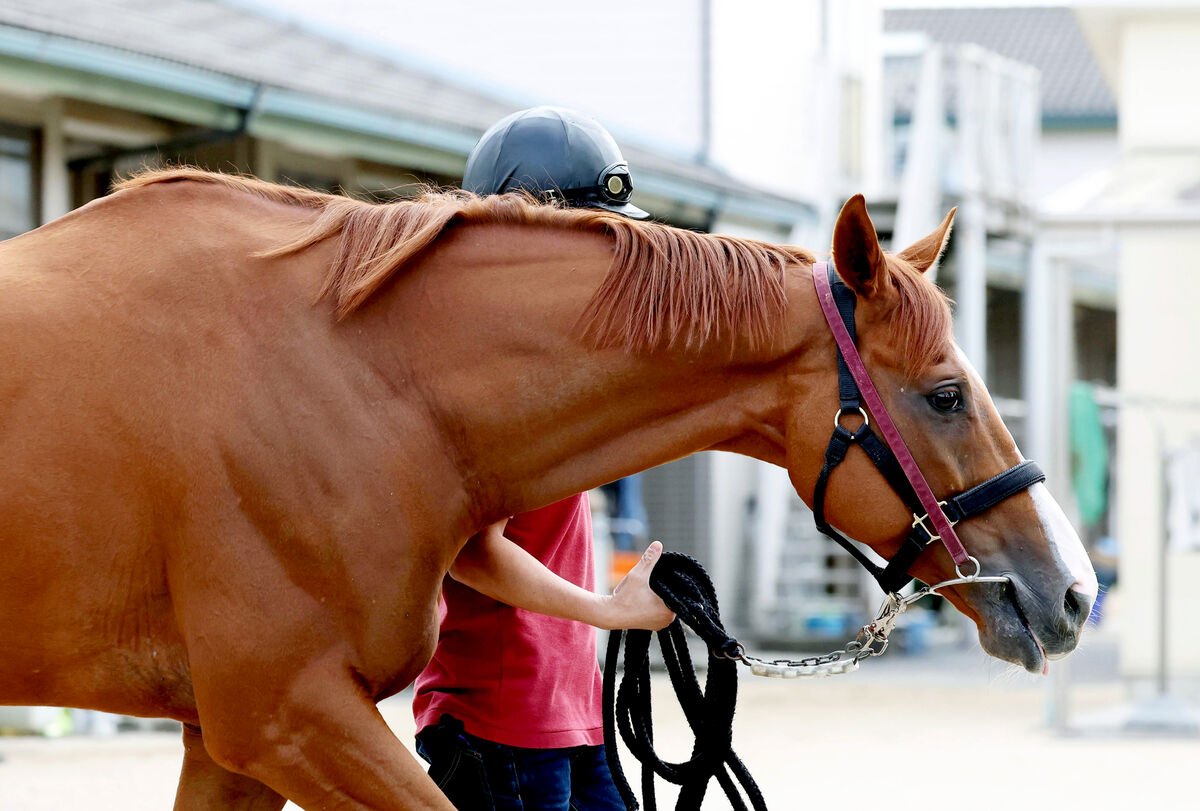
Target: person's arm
493,565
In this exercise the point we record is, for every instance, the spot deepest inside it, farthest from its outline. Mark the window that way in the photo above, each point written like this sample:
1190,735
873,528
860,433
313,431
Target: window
18,200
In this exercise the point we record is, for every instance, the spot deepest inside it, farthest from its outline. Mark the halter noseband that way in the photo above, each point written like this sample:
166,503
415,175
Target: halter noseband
893,459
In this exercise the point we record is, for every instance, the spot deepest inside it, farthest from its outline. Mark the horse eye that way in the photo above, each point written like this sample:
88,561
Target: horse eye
948,399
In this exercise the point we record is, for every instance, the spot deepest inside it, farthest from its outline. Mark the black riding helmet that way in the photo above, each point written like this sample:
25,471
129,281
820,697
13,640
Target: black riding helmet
553,152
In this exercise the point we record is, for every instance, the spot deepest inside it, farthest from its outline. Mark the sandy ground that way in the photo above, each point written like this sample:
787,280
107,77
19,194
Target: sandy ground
951,726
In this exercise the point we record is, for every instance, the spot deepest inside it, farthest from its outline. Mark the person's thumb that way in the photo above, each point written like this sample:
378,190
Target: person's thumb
650,558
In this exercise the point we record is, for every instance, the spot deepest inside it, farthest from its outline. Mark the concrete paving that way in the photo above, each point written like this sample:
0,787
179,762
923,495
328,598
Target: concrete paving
951,726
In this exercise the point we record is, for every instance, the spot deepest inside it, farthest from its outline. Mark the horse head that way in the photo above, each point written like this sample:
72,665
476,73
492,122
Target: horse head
947,419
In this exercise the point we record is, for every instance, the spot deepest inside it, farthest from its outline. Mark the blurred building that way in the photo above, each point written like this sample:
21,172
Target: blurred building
93,87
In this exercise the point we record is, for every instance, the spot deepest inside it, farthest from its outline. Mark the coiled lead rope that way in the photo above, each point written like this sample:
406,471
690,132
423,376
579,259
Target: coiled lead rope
687,590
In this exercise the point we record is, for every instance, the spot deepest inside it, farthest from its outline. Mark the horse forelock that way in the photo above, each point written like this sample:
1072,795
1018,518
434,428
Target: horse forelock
920,323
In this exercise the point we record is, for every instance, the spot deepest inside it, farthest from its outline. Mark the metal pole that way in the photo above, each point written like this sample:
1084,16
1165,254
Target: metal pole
1044,367
56,181
825,25
1163,575
918,207
970,289
1037,361
705,81
970,248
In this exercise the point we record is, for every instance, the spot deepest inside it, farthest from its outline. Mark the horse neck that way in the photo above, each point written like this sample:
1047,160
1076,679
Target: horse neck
486,328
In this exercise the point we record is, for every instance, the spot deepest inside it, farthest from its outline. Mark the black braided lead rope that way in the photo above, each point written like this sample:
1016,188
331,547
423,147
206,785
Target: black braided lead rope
687,590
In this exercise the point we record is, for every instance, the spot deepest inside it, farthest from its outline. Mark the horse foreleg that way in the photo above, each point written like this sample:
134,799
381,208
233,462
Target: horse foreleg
276,674
204,785
323,745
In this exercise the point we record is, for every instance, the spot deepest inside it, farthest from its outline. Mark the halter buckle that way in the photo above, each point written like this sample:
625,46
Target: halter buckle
919,521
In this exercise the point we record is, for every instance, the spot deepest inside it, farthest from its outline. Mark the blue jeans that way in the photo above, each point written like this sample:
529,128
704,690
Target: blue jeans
479,775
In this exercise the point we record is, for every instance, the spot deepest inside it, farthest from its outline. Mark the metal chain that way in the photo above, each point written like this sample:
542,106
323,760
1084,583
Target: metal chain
872,639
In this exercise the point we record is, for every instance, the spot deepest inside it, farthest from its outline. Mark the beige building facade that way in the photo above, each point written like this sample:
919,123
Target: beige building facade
1152,204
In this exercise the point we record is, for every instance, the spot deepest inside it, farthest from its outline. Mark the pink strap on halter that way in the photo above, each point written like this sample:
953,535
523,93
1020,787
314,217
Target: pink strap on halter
820,273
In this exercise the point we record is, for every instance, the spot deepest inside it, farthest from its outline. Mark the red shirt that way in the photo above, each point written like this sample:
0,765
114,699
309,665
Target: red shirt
512,676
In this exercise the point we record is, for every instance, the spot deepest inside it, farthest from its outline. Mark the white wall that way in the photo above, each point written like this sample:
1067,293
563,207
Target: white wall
778,117
632,65
1065,158
1158,81
763,58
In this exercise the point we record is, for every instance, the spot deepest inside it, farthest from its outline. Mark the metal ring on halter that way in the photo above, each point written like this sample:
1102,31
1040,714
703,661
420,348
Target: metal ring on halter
739,654
962,576
837,418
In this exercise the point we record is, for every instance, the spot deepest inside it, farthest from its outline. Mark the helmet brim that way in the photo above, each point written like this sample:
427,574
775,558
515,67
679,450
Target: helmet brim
624,209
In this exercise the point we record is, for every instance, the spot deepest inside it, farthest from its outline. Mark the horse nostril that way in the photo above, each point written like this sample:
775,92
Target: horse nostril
1076,606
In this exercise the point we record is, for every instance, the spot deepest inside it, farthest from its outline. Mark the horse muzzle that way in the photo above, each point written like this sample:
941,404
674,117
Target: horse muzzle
1033,625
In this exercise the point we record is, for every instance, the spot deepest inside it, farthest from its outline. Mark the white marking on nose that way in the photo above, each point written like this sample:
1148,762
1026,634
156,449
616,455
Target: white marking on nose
1064,541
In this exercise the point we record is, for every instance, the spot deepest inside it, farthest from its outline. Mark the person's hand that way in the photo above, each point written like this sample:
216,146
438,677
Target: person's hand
633,604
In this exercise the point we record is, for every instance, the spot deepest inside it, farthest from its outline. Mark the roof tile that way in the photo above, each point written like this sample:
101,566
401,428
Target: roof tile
1048,38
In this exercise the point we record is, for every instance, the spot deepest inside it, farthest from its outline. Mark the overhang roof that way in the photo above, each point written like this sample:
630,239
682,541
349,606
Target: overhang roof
243,57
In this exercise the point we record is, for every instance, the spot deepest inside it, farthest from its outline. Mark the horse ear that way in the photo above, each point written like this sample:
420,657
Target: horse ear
924,253
856,252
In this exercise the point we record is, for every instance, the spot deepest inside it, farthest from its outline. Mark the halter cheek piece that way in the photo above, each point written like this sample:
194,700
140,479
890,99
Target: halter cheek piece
933,520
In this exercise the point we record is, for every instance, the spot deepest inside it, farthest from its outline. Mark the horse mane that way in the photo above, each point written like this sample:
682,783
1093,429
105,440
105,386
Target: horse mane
666,286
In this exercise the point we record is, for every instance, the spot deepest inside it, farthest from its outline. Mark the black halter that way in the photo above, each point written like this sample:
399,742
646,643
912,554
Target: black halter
894,576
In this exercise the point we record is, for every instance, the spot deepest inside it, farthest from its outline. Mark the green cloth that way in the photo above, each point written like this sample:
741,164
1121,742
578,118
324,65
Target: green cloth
1089,454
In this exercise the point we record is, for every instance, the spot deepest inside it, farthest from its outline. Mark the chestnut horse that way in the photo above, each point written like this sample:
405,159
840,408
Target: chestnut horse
222,504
